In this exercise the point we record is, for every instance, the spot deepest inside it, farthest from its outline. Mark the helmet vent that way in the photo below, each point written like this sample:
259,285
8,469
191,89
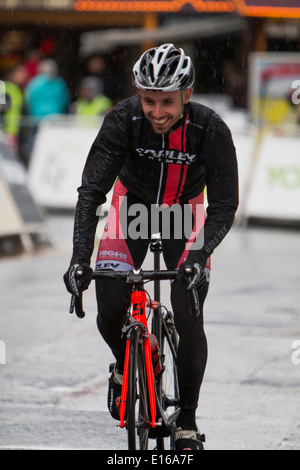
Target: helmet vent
151,72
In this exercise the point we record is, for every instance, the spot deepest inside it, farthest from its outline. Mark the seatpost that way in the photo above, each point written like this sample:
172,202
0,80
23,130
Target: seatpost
156,249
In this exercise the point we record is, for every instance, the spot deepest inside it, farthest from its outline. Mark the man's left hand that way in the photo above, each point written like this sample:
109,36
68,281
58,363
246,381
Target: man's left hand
193,273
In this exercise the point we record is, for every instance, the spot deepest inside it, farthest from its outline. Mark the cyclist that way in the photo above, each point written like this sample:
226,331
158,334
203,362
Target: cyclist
164,149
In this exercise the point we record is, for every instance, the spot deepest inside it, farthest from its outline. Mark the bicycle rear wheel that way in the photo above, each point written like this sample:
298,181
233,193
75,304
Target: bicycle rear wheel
137,396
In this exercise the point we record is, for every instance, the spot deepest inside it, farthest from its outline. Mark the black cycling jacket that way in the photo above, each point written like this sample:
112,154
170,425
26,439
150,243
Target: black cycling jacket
157,169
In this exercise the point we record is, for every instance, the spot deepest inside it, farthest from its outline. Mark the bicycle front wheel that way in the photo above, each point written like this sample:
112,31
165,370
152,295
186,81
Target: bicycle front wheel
138,408
167,385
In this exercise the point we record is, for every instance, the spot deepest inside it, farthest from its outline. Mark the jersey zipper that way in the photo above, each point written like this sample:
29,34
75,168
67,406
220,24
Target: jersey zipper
161,172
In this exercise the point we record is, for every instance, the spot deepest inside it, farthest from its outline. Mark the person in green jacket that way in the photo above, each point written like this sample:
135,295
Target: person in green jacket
12,106
91,100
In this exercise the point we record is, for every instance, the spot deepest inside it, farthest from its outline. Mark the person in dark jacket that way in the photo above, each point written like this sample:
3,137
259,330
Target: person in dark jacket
164,150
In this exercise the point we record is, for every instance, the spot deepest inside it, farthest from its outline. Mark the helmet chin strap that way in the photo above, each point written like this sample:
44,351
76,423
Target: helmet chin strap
183,98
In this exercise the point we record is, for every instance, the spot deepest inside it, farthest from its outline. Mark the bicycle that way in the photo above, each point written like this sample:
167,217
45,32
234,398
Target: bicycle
150,402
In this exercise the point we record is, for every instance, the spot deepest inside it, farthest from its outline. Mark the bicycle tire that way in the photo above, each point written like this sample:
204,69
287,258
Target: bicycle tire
169,345
137,395
167,386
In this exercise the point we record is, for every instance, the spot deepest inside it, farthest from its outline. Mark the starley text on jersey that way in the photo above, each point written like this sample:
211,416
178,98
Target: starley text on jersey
168,156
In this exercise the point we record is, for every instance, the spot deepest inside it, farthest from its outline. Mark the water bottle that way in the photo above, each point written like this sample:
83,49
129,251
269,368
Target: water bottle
155,355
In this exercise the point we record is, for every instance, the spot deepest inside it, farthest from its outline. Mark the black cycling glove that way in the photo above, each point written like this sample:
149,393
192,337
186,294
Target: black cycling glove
192,270
78,278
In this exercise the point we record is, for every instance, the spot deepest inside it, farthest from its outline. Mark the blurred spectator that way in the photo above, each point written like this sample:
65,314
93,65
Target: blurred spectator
91,100
47,93
32,60
11,108
48,47
96,66
235,84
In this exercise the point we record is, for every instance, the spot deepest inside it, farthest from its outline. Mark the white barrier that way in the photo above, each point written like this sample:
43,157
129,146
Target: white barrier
275,189
21,223
58,158
10,220
2,353
269,170
244,138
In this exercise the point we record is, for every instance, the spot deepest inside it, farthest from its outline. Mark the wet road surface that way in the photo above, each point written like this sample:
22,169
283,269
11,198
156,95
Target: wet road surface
53,384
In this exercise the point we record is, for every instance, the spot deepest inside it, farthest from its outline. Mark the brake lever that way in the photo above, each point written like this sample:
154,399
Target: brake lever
76,301
72,304
193,296
194,301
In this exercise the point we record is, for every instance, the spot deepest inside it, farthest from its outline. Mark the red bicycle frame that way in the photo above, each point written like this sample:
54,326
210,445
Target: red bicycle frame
139,302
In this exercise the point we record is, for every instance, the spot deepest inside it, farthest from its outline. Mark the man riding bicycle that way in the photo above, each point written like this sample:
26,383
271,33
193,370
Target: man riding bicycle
161,150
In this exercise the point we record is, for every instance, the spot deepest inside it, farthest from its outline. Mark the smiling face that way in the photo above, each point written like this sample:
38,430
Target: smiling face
163,108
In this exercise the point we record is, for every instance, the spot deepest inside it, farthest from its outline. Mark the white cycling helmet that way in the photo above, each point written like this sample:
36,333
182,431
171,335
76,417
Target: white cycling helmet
164,68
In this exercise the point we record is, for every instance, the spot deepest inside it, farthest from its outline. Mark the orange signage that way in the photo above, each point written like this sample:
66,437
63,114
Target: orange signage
269,8
218,6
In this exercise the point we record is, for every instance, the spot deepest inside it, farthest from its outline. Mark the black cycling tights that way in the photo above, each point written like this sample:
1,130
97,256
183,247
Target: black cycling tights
112,298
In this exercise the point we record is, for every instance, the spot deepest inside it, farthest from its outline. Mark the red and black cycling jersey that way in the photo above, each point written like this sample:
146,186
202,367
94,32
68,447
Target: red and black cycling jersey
165,169
160,169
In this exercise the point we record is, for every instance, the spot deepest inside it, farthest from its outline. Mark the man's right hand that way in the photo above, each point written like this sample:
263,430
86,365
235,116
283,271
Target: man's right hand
78,278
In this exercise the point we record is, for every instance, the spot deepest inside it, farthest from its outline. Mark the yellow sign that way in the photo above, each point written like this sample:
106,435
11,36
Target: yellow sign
274,82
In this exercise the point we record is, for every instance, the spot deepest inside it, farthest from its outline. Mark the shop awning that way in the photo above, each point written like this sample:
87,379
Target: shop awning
120,5
258,8
220,6
269,8
106,40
